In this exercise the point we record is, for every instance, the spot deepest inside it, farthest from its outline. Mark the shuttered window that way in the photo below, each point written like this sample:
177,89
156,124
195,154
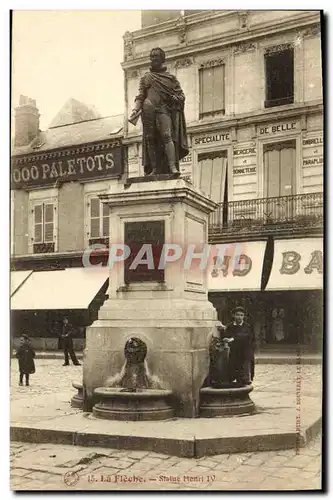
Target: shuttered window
43,232
99,219
279,168
212,170
44,223
279,177
212,88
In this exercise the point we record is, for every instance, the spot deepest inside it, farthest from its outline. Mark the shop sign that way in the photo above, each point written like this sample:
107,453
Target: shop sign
245,151
297,265
186,159
313,161
85,166
313,150
245,170
315,141
208,139
238,266
291,262
278,128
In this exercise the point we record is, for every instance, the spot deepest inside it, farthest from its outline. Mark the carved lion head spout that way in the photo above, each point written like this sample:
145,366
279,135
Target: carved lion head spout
134,375
135,351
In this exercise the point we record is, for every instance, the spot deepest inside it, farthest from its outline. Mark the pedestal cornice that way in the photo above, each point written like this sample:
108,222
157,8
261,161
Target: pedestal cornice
150,191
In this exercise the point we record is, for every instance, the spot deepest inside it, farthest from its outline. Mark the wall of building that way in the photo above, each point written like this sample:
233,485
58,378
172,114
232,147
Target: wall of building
71,217
245,75
239,40
20,222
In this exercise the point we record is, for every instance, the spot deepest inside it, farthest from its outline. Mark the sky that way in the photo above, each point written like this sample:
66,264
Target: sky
61,54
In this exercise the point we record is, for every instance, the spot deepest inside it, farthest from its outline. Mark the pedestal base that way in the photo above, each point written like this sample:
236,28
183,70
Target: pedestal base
77,400
177,335
226,402
150,404
164,304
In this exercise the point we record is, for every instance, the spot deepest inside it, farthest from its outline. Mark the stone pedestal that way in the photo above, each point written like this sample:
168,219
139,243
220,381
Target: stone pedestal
169,311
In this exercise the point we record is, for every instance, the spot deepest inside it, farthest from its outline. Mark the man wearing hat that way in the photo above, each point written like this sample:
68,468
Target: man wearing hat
241,360
66,343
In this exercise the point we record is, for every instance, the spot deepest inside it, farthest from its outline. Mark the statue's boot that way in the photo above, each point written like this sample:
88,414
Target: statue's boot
173,169
152,156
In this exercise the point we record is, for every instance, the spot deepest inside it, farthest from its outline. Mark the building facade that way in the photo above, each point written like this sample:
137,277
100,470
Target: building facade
56,179
254,112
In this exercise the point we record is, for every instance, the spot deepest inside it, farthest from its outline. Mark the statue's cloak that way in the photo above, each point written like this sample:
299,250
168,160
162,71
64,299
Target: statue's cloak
167,86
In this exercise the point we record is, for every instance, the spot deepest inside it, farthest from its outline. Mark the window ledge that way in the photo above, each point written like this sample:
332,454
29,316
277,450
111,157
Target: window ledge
279,102
211,114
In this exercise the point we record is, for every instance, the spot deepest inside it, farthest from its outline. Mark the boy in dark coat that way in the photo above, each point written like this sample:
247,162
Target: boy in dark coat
25,355
241,360
66,342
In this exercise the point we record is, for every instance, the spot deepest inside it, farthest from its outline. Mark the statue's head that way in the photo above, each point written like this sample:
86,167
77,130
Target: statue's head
157,57
135,350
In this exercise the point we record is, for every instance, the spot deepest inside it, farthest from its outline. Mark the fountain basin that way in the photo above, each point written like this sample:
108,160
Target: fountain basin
225,402
148,404
77,400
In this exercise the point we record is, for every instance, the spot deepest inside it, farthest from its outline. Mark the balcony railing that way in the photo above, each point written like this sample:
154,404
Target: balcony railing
302,210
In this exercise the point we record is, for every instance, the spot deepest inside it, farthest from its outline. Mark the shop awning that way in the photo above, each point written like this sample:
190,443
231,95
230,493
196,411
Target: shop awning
17,278
239,269
297,265
73,288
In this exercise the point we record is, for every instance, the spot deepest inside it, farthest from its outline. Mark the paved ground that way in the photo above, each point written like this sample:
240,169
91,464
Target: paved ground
51,376
60,467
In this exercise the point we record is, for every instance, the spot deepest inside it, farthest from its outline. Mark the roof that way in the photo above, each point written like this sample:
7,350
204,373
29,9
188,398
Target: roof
74,111
83,132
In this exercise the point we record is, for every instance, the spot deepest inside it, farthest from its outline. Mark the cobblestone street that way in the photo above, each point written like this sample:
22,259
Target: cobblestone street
58,467
63,467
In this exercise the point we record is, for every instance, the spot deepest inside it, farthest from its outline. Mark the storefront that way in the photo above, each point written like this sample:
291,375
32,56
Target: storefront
285,309
41,299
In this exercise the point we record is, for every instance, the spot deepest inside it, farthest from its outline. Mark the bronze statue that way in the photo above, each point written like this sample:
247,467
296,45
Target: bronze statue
160,103
219,354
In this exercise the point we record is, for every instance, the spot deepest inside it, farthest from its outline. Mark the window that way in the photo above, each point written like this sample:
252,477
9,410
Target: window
211,91
212,172
279,67
279,180
43,227
99,219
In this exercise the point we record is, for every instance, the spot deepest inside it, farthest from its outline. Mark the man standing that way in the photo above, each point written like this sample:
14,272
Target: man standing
160,102
67,343
241,360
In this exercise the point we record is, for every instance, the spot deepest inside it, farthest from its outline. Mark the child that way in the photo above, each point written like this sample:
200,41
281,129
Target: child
25,355
241,360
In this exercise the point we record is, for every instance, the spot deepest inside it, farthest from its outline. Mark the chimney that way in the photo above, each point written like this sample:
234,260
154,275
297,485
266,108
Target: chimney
26,121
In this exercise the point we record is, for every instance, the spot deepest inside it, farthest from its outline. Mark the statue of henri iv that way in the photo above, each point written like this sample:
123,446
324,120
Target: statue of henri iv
160,103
